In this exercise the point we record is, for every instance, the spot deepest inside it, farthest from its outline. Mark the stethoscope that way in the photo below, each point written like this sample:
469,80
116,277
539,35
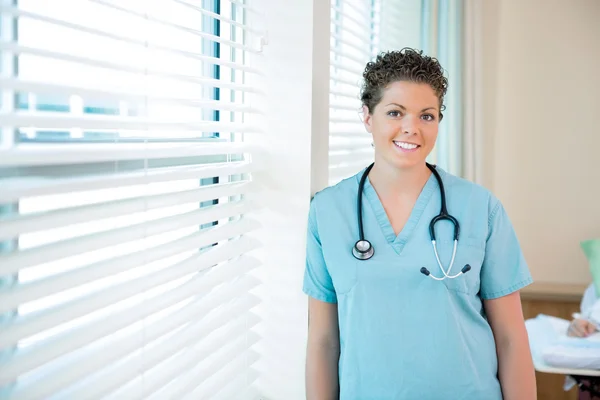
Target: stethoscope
363,249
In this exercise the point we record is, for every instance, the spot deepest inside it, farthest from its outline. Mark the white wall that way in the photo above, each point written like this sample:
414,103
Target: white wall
285,190
542,127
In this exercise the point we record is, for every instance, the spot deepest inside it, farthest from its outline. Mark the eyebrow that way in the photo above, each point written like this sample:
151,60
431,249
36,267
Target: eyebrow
404,108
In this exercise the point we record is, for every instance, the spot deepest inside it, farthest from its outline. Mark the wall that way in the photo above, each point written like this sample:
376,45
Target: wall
542,133
284,191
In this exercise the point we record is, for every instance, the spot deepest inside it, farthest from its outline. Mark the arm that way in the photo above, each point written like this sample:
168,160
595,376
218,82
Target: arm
515,365
323,351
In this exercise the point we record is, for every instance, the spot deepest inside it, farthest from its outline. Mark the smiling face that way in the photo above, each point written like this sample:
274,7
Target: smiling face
404,124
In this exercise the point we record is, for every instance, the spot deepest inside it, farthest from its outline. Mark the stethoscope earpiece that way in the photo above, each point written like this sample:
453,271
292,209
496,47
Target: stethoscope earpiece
464,270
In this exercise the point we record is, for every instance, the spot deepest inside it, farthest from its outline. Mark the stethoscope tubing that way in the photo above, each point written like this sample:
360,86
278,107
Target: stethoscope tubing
363,249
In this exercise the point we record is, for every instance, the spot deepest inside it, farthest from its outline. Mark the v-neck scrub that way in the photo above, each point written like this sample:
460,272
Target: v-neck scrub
404,335
398,242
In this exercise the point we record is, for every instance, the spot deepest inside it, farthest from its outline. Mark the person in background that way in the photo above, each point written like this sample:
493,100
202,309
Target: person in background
581,325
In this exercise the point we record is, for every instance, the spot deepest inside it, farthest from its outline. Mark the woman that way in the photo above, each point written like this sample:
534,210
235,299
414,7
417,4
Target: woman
382,327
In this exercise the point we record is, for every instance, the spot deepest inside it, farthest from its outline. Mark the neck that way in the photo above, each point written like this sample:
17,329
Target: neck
389,180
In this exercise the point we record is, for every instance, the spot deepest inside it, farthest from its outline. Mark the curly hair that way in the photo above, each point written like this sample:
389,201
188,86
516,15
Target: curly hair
404,65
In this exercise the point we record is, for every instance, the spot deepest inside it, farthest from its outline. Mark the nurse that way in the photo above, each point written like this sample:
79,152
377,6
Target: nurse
381,328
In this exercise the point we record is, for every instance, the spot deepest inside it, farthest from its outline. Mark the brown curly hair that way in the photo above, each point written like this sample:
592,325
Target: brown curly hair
403,65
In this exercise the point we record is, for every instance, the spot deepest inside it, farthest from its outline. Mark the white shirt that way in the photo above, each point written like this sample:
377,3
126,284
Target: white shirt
590,306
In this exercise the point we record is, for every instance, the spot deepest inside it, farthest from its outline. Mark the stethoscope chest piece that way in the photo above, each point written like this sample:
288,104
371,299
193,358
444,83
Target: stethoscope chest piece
363,250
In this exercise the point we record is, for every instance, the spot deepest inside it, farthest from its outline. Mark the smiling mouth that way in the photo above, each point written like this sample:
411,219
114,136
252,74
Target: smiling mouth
405,146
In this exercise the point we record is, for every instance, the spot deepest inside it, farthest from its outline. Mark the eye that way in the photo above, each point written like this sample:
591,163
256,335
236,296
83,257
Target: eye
393,113
428,117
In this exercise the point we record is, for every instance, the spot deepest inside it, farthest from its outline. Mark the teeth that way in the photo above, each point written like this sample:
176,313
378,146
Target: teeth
407,146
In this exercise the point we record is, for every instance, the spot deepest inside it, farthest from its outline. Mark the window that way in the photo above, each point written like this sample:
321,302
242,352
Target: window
352,46
125,265
359,30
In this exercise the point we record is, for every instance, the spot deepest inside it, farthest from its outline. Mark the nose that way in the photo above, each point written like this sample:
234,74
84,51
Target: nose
410,125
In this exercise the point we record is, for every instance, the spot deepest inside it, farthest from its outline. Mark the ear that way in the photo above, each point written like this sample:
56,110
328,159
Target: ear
367,118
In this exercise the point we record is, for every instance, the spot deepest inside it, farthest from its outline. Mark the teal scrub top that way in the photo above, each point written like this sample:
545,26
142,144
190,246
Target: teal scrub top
404,335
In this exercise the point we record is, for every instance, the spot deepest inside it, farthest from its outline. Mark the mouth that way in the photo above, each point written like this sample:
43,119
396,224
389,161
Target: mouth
406,147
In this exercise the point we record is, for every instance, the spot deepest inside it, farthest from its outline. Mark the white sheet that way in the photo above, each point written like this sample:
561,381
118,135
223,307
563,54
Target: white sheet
553,351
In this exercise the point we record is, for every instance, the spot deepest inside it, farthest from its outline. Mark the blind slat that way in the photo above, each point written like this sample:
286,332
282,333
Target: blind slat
337,54
352,136
13,226
241,387
340,13
341,93
340,106
10,47
19,13
51,383
246,7
345,120
361,33
338,80
352,146
102,383
352,133
195,32
32,155
350,157
347,68
211,389
337,172
116,95
180,366
220,17
65,344
12,263
44,320
43,287
18,188
360,9
361,50
57,121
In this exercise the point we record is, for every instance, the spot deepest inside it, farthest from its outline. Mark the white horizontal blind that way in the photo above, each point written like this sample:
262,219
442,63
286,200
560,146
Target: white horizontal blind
352,27
398,24
126,267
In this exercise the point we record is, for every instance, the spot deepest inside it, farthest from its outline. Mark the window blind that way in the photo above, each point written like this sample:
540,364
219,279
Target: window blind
126,229
399,24
352,46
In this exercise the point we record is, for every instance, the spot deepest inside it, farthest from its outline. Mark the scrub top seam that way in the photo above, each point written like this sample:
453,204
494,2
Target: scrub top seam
379,211
507,291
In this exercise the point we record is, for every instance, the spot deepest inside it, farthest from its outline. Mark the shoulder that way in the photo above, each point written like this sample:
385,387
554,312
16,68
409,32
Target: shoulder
341,192
335,200
472,192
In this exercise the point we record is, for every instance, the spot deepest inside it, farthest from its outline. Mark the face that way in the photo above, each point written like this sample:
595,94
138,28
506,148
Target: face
404,124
